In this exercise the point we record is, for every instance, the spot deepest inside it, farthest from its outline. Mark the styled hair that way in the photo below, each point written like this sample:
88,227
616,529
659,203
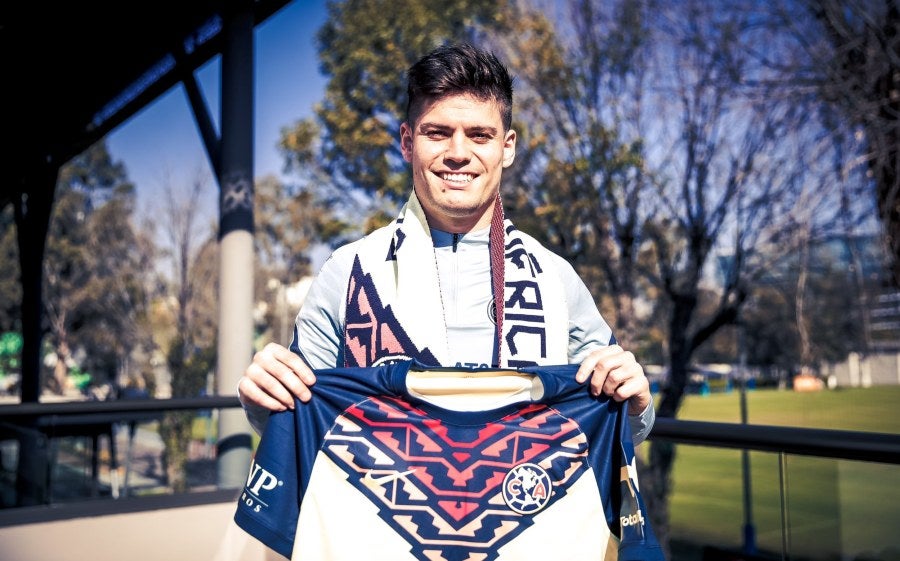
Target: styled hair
459,69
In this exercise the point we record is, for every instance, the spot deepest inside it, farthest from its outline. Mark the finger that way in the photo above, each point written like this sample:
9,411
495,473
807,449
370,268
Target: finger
250,393
288,369
598,362
586,369
293,361
620,371
614,370
590,363
267,376
627,389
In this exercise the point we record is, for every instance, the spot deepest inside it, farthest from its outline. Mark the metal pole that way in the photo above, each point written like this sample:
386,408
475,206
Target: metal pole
749,529
235,345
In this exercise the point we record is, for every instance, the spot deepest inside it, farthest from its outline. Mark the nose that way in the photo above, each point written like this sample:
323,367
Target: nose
457,149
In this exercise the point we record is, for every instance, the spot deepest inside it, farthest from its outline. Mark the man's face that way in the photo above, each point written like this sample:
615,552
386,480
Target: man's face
458,149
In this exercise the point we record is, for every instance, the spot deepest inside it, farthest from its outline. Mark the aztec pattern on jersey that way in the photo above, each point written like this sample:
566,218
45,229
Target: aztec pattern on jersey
450,493
373,335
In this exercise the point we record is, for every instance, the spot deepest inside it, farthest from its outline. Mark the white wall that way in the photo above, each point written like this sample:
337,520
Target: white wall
195,533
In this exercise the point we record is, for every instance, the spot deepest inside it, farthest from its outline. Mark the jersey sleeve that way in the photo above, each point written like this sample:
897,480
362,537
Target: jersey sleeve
269,504
612,459
636,538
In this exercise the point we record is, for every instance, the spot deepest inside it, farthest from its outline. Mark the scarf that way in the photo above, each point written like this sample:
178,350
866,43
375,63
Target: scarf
394,309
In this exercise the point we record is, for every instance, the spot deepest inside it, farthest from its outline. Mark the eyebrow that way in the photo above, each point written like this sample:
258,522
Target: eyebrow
469,130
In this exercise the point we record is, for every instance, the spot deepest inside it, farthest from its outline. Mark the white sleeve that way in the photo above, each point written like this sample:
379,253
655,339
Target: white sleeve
587,328
642,423
257,415
319,327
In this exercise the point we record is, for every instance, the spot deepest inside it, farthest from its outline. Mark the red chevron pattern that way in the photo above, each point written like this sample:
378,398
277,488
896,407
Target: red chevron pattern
441,485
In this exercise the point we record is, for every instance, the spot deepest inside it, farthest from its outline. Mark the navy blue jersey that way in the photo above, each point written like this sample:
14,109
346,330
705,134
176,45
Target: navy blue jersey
512,464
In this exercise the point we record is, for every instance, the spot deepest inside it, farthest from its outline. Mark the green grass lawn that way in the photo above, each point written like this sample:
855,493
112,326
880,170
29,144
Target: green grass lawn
834,508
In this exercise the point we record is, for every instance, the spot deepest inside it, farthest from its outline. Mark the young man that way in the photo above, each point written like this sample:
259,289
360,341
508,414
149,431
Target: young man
450,282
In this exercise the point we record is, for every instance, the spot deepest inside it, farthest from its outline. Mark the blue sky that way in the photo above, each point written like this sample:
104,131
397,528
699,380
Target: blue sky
161,145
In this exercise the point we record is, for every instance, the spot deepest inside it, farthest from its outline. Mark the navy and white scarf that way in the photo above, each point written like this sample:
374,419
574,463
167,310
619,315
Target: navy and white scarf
394,309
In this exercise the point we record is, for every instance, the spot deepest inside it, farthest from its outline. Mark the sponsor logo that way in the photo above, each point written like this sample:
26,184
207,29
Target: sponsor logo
472,365
373,482
527,488
259,480
634,519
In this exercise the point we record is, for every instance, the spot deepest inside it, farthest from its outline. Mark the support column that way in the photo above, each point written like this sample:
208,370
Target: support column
235,345
33,211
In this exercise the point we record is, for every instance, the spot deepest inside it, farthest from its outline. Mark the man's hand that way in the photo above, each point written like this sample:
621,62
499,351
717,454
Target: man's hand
274,377
615,372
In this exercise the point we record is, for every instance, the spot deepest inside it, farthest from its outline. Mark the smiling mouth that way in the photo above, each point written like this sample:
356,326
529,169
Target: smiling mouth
457,178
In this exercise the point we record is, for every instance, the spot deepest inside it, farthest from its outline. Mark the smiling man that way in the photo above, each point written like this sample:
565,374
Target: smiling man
458,149
450,282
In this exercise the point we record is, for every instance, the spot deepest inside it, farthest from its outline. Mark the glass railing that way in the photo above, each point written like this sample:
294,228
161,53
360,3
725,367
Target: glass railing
738,491
792,493
58,453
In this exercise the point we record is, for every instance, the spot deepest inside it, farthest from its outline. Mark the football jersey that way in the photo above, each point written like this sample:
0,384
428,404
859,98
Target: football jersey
407,462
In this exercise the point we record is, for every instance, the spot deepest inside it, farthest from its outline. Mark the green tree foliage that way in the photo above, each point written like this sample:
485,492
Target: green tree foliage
365,48
10,357
835,325
289,221
579,180
190,368
94,287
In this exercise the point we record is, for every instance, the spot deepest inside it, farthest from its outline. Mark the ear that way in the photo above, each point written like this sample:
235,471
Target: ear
406,141
509,148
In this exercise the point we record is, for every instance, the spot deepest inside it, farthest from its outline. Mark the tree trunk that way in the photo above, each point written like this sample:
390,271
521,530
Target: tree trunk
656,478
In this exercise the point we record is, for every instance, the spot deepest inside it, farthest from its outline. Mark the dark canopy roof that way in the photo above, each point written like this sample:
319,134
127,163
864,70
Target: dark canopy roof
73,71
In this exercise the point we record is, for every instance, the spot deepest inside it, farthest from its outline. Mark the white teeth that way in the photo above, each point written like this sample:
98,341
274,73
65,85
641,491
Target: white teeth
457,177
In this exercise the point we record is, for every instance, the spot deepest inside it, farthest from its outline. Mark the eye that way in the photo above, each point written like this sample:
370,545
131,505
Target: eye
435,134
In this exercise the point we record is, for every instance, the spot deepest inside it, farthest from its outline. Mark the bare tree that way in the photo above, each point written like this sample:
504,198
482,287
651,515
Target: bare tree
744,183
655,161
191,342
579,182
846,53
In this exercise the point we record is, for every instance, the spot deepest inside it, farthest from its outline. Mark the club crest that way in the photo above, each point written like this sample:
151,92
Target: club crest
527,488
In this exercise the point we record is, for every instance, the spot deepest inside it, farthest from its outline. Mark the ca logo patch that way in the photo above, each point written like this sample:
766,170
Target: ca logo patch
527,488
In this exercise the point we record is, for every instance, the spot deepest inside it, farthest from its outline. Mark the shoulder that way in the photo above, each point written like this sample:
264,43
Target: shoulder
564,268
338,265
340,261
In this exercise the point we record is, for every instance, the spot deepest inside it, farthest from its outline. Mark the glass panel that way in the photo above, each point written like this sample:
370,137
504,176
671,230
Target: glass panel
707,508
133,466
834,509
843,509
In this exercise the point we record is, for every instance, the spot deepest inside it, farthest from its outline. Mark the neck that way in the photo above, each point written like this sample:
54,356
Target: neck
462,225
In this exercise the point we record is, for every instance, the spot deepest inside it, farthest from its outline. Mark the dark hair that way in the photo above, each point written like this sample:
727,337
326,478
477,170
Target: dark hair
459,69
